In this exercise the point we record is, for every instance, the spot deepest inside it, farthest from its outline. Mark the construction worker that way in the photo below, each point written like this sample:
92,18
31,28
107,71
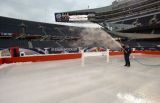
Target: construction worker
127,51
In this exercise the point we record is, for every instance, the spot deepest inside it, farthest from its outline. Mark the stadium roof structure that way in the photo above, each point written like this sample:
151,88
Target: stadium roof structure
86,11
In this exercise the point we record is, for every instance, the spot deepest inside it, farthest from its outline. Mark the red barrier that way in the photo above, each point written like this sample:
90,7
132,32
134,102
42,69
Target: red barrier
1,61
62,57
41,58
115,53
149,52
112,53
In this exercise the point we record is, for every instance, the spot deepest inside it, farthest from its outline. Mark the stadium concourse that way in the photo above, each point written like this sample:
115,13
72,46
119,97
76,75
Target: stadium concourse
68,81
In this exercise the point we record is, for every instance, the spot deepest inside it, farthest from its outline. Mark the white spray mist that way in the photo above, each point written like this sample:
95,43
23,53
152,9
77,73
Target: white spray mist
97,37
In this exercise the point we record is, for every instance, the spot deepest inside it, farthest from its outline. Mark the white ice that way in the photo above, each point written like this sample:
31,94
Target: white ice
67,81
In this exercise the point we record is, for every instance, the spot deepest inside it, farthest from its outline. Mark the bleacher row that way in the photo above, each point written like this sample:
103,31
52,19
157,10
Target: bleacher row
134,18
142,20
135,43
121,6
7,43
10,25
144,29
129,9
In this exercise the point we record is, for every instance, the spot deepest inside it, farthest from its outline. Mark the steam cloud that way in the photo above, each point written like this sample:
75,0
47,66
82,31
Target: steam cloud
96,37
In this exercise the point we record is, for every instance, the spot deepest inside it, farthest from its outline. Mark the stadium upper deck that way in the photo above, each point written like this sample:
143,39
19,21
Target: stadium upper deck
123,16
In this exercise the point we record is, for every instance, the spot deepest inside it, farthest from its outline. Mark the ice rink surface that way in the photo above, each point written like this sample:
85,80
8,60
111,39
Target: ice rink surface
69,81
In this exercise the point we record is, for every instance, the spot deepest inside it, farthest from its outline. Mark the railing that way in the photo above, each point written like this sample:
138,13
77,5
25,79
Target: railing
121,8
145,13
134,10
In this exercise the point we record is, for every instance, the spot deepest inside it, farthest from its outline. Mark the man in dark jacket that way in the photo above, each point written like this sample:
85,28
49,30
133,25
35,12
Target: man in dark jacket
127,51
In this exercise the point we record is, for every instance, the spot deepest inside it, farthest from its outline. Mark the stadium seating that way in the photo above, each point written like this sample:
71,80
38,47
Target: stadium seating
7,43
10,25
65,34
44,44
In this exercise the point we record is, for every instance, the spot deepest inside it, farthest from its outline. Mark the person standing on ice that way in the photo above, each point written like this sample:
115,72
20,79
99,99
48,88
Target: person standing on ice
127,51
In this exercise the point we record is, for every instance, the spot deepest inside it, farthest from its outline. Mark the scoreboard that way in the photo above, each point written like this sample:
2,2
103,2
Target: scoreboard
74,17
59,17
